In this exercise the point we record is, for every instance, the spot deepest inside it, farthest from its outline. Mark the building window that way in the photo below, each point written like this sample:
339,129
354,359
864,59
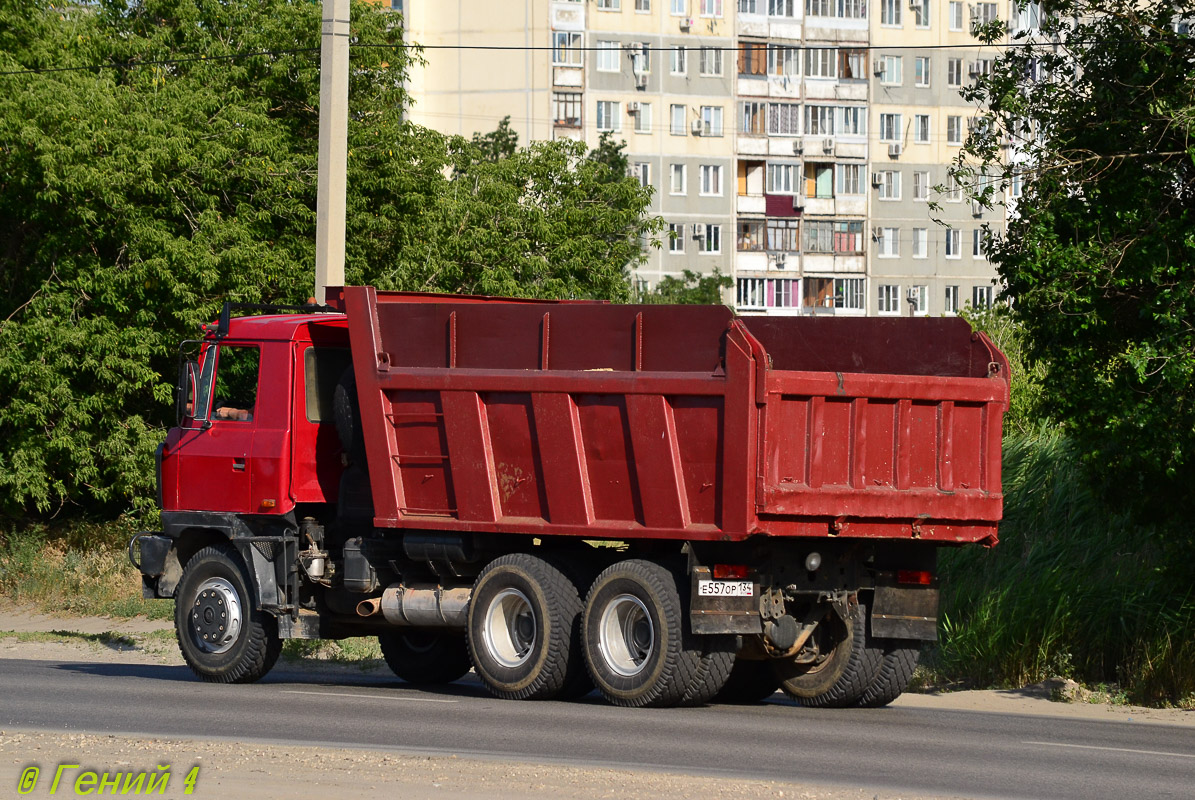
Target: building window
781,8
921,67
950,301
819,8
677,180
711,61
848,293
607,116
921,16
676,238
889,127
954,192
1027,15
753,58
676,61
782,178
819,120
954,72
750,236
676,120
750,293
921,128
889,184
784,61
921,186
641,170
711,180
828,236
920,243
566,109
711,8
850,179
643,118
752,117
852,65
710,241
643,6
711,120
821,62
919,300
566,49
783,234
954,243
750,6
981,296
979,243
819,180
852,121
889,299
889,242
982,14
781,294
609,5
956,15
890,12
954,129
892,70
607,56
784,119
678,8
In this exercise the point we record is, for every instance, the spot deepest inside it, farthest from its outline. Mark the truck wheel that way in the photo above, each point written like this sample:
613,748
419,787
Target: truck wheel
223,637
425,656
843,671
717,661
523,628
896,670
750,682
636,640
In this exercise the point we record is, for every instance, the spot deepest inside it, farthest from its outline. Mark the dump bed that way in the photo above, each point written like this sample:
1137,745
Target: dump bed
683,422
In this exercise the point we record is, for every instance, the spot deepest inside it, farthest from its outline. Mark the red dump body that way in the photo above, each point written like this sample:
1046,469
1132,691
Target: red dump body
677,422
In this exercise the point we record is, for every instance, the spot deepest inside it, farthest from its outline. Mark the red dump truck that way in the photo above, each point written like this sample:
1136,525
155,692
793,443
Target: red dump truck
668,503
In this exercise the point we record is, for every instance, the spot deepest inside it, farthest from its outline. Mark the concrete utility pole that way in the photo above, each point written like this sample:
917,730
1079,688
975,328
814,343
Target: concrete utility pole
333,147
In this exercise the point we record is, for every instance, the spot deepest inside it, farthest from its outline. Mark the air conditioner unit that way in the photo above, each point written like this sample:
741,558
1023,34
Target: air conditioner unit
699,230
641,81
894,150
976,208
827,145
697,127
686,23
797,202
974,70
798,147
633,107
877,179
877,234
877,67
780,259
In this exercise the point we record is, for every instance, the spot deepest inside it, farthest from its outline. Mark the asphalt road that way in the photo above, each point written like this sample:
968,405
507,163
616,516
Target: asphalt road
895,749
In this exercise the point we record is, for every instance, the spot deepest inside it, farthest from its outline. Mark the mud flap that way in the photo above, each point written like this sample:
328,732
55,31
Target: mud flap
905,612
712,611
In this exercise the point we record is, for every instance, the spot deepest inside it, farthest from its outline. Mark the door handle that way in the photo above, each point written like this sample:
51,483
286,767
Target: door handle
238,465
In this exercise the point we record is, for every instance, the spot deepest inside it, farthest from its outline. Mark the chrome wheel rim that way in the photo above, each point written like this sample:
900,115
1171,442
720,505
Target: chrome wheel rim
215,618
626,635
510,629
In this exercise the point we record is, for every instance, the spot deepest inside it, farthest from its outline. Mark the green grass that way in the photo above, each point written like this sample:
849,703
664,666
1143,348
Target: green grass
1073,590
362,651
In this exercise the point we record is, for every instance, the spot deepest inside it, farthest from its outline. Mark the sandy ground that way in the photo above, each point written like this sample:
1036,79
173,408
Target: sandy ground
307,773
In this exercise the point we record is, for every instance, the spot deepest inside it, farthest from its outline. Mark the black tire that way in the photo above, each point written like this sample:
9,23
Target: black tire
896,670
425,656
215,582
717,661
523,629
750,682
843,673
636,638
346,412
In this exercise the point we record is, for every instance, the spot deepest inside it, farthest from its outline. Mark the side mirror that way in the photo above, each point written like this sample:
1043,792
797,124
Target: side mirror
185,391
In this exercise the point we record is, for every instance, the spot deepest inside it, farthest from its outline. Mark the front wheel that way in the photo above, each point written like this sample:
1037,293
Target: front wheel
224,638
425,656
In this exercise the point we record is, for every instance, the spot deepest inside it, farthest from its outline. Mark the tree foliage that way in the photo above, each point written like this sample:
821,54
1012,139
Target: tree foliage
692,288
1093,114
135,199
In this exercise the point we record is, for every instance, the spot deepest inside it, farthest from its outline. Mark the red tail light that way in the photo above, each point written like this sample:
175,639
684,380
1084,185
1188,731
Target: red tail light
723,572
915,576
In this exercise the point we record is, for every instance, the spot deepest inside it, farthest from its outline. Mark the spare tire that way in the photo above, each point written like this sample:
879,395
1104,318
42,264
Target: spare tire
347,413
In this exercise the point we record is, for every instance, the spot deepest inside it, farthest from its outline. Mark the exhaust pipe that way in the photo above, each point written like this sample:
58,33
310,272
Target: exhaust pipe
369,607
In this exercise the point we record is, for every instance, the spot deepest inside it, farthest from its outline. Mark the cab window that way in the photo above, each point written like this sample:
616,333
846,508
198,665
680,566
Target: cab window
322,368
236,383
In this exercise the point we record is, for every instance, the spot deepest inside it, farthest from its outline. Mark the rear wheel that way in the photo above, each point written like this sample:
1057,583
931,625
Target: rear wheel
523,629
425,656
223,637
636,640
896,670
842,669
717,661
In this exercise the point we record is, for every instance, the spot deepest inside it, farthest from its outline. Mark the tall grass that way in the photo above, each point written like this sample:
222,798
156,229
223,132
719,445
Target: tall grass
1072,590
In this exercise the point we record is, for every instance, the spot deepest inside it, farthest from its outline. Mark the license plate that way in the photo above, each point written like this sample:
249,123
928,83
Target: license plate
725,588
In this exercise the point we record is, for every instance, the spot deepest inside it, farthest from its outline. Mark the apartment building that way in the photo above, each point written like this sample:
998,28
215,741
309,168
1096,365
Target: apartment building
799,145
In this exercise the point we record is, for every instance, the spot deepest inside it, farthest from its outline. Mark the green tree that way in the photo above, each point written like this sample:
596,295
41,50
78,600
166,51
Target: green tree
1096,110
693,288
134,200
